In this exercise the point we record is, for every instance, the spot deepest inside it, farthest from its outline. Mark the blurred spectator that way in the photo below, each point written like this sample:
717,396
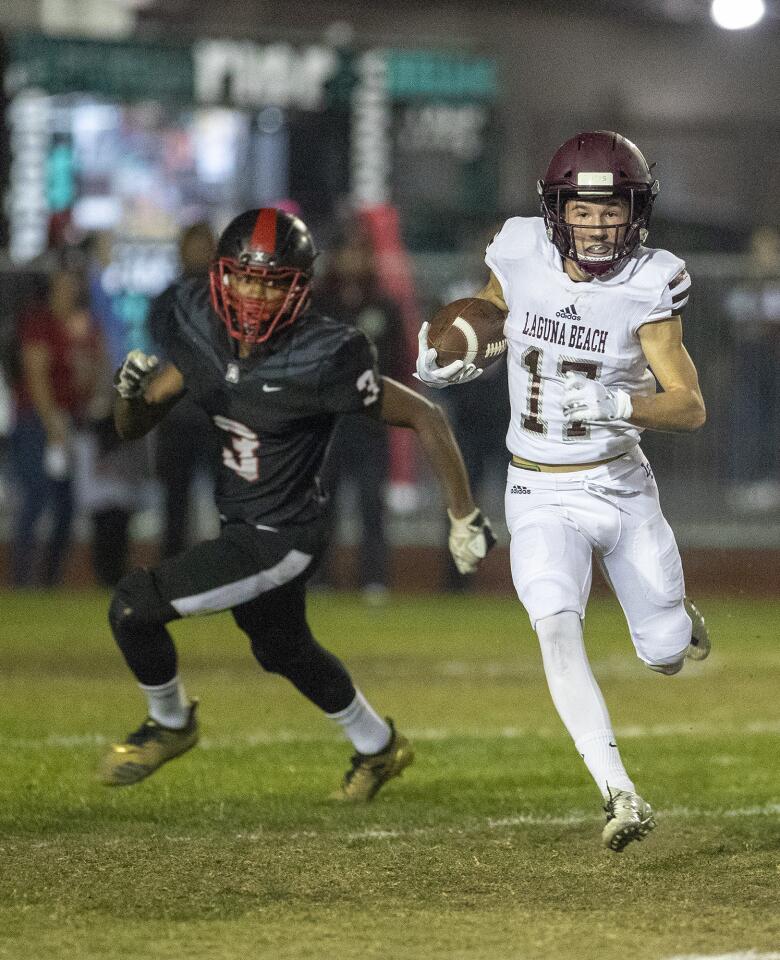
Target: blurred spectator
753,308
359,455
109,475
59,351
10,367
98,250
184,438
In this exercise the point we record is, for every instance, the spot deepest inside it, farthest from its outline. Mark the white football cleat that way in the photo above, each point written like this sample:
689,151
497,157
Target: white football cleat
629,818
669,669
700,645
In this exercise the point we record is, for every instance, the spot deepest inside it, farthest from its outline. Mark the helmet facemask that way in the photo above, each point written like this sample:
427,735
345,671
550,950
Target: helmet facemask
563,234
253,319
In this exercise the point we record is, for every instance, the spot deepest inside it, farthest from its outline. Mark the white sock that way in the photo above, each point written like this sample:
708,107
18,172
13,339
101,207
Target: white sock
168,704
578,700
368,732
600,752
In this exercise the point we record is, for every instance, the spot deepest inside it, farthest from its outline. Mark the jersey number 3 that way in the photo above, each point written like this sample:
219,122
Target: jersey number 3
367,385
241,455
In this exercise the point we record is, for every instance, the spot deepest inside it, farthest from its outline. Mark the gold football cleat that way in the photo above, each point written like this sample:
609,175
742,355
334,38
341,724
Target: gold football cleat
146,749
371,771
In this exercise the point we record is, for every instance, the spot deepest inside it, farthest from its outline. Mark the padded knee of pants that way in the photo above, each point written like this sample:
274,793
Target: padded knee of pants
548,594
664,636
137,605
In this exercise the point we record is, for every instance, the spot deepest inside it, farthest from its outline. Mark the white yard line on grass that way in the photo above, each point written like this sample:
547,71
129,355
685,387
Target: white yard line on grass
742,955
611,667
574,819
260,738
473,827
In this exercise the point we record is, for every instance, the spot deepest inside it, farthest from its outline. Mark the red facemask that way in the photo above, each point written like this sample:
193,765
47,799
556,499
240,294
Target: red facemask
254,320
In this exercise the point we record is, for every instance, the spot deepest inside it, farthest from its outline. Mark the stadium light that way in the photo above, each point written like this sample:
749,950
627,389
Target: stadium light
737,14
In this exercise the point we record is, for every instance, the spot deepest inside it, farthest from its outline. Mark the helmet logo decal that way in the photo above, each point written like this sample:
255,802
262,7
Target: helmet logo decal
594,180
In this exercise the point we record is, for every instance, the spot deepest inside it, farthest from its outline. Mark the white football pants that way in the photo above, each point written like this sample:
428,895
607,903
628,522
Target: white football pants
559,521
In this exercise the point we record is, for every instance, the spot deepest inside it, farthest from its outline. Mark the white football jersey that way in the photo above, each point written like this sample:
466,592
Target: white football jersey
556,324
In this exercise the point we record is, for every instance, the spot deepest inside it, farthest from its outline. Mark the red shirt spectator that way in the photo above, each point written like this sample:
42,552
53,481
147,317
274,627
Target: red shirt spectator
72,347
60,364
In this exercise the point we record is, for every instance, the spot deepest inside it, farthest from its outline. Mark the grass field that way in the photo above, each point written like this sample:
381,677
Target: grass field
487,849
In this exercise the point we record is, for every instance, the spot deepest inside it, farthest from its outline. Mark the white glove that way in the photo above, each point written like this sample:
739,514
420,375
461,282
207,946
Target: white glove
470,539
589,401
440,377
135,373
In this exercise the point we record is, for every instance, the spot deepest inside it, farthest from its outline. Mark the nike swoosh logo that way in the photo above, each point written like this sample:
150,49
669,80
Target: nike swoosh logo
267,388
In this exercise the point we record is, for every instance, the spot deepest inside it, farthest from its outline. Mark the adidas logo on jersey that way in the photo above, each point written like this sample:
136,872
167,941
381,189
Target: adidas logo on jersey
519,488
568,313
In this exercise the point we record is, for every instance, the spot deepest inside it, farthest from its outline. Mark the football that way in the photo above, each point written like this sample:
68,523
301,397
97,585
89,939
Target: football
471,330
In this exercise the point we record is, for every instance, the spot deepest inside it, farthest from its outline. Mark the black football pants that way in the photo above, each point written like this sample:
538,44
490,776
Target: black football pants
260,575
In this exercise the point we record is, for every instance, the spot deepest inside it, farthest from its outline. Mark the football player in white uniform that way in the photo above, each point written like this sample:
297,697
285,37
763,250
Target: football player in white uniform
590,310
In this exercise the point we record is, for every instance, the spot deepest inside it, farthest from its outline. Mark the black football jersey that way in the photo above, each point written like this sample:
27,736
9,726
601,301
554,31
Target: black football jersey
274,412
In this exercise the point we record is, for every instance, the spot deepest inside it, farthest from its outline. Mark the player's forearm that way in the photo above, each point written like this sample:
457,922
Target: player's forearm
145,393
677,411
402,407
443,453
135,418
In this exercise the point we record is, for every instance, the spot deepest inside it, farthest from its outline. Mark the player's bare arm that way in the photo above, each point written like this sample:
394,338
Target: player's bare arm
681,406
402,407
145,393
493,293
471,535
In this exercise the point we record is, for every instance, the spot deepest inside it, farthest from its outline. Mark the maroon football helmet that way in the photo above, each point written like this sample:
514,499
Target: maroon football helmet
268,245
593,165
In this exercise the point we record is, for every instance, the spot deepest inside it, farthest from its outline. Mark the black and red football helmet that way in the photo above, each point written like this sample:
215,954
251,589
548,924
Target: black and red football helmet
271,246
591,166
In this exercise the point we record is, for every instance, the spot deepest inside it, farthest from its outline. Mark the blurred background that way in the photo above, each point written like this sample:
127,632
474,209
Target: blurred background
132,131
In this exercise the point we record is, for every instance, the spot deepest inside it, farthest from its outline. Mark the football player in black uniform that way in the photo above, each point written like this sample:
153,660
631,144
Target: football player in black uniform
273,377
